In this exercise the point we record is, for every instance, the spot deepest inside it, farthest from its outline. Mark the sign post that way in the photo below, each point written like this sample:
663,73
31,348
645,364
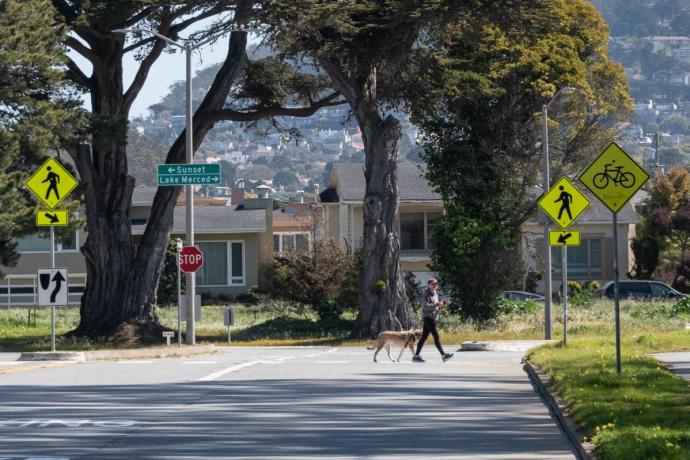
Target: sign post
190,260
51,183
564,203
179,295
614,177
229,318
563,240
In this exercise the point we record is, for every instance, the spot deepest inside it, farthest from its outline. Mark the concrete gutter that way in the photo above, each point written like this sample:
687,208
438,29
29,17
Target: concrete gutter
502,345
111,355
557,408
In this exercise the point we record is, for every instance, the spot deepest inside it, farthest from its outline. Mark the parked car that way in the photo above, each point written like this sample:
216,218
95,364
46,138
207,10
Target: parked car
522,295
641,289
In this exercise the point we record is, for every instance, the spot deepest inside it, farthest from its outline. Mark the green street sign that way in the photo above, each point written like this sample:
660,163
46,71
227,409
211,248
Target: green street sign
188,174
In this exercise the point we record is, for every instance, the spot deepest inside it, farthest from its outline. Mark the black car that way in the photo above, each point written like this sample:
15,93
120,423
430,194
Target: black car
641,289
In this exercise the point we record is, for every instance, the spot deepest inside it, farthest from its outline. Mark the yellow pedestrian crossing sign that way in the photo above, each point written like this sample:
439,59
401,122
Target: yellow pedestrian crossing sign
51,183
564,238
614,177
563,203
51,218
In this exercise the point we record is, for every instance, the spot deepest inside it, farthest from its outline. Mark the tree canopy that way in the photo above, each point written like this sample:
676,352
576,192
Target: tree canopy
481,120
35,107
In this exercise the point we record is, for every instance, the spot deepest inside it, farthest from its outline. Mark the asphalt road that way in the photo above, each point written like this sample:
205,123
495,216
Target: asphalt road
279,403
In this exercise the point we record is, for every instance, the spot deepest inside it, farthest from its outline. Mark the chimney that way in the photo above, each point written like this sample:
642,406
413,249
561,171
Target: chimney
237,195
239,183
300,196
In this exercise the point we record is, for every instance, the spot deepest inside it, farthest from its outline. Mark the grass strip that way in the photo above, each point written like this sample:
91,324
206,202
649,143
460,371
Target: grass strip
644,413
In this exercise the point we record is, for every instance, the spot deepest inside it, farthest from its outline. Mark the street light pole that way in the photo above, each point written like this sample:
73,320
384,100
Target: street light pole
547,246
189,202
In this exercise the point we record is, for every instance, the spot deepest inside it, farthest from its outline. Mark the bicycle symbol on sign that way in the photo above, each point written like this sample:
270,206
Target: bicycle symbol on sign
625,179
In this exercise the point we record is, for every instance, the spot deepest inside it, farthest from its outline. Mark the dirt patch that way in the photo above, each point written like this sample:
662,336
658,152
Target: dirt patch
137,334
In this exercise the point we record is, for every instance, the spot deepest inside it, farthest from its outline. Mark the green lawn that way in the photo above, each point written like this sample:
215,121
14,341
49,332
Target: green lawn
644,413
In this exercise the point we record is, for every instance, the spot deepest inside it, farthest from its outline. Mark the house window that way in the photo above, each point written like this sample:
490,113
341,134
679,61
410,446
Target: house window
412,231
223,263
584,261
41,243
432,220
291,242
416,230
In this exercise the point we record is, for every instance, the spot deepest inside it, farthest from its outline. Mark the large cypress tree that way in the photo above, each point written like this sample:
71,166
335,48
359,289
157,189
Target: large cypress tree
122,279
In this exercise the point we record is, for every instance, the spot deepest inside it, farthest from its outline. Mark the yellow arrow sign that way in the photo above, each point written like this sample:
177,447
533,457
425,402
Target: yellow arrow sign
51,218
51,183
563,203
564,238
614,177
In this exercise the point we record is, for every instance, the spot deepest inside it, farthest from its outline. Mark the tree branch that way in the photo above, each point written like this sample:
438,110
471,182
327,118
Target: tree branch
180,26
80,48
278,111
75,74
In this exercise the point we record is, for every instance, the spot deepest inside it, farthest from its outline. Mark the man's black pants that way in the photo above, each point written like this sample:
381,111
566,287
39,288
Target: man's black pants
430,328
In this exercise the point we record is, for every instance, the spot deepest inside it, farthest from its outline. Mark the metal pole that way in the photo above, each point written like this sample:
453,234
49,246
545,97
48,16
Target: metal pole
547,248
229,339
616,294
179,295
564,268
191,285
52,307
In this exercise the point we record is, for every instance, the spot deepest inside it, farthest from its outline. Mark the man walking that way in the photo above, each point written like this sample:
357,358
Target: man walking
430,310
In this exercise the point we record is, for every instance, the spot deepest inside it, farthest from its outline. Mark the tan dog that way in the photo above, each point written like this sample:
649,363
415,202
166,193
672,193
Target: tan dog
404,339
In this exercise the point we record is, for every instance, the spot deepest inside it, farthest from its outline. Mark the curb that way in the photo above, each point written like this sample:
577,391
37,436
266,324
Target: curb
150,353
584,451
76,356
104,355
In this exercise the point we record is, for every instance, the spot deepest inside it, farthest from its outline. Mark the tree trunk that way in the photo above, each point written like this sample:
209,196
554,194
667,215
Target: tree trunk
383,303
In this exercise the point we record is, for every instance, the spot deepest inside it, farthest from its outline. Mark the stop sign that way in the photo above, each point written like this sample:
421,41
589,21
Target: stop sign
191,259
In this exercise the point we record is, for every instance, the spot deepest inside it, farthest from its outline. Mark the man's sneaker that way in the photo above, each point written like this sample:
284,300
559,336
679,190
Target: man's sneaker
417,359
446,357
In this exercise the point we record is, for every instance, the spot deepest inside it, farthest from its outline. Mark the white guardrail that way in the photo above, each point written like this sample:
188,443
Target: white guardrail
20,290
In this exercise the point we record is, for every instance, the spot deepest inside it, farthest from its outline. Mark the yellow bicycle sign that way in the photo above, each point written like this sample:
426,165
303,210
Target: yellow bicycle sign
614,177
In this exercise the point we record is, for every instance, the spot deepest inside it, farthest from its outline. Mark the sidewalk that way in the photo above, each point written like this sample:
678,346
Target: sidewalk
679,362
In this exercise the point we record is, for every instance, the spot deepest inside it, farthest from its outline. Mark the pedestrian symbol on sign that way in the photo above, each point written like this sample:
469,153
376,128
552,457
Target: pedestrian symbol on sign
54,180
566,199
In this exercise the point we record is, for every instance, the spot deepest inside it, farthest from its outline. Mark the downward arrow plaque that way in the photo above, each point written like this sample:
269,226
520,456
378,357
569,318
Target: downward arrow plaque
565,238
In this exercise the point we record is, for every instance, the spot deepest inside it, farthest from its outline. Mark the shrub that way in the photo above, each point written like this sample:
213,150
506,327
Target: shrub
251,296
324,278
519,307
574,287
682,307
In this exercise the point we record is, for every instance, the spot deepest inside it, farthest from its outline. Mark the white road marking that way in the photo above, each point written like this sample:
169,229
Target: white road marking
240,366
227,370
321,353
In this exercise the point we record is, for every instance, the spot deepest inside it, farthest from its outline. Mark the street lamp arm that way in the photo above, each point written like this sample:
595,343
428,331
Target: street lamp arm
152,32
